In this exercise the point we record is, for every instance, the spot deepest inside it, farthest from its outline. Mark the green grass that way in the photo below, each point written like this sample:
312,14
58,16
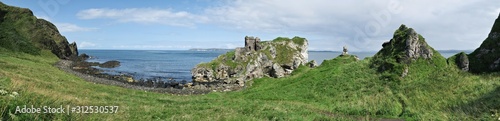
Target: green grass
339,89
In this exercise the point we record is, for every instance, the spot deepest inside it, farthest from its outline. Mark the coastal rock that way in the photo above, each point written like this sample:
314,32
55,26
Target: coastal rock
257,59
405,48
415,47
277,71
110,64
84,56
312,64
486,58
203,75
74,49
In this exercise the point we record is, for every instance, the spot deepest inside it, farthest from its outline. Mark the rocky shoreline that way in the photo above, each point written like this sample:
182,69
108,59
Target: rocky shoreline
84,70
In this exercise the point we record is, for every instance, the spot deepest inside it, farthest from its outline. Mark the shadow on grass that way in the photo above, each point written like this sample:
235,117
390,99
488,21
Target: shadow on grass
482,107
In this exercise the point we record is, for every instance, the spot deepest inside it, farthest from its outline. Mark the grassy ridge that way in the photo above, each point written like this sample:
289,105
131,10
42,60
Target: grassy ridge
341,88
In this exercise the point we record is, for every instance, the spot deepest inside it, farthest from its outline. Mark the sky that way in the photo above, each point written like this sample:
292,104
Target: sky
361,25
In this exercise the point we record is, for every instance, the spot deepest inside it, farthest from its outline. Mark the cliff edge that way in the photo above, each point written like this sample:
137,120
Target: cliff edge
21,31
486,58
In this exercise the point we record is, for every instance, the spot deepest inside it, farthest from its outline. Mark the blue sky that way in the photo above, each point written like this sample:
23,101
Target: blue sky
327,24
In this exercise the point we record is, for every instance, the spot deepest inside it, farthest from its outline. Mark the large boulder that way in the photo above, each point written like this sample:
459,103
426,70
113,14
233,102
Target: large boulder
462,61
257,59
486,58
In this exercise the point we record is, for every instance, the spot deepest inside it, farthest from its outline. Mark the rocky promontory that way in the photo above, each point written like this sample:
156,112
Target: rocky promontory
233,70
21,31
486,58
406,48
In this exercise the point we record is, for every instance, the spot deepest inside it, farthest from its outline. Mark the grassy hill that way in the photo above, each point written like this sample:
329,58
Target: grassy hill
341,88
21,31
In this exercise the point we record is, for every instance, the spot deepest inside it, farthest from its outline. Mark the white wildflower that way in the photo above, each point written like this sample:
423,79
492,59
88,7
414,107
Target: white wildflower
12,96
3,92
15,93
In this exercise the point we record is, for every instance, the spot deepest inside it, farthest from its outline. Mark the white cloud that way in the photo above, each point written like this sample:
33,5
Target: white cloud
85,44
67,27
464,23
446,24
144,15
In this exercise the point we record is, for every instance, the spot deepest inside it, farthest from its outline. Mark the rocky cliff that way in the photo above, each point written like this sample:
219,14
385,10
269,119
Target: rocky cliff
22,31
486,58
405,48
257,59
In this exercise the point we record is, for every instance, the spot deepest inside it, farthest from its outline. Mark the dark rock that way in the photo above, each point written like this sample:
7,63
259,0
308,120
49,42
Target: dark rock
110,64
74,49
84,56
386,43
462,61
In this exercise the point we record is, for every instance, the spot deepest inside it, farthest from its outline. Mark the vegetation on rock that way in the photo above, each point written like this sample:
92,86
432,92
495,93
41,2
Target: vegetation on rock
23,32
274,58
406,48
486,58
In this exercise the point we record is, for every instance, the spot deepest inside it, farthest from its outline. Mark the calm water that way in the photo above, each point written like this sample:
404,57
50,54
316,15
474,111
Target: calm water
177,64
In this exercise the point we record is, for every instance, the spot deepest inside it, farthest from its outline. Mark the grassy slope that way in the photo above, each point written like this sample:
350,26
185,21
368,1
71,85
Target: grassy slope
340,88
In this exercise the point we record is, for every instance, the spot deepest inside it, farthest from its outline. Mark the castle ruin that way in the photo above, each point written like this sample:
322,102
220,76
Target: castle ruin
252,44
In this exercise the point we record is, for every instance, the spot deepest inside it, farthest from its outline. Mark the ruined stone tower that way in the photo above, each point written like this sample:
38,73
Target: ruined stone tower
252,44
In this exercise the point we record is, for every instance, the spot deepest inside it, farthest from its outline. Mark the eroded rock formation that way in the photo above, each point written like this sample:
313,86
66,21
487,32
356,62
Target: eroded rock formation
405,48
257,59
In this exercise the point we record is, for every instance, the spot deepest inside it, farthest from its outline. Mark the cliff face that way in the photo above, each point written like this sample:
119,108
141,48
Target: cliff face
405,48
486,58
257,59
22,31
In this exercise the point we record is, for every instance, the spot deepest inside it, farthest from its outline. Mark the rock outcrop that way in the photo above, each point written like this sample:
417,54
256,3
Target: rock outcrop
405,48
312,64
486,58
257,59
463,62
22,31
110,64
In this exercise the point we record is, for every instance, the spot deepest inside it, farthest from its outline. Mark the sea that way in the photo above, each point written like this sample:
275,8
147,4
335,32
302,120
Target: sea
177,64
